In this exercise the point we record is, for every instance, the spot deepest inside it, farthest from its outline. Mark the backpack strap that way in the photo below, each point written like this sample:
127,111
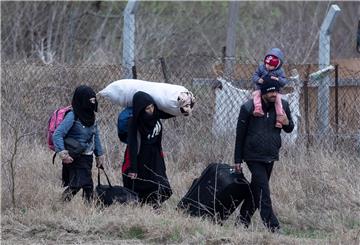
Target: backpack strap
53,158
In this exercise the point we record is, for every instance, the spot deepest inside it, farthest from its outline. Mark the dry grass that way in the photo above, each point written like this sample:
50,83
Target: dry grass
315,196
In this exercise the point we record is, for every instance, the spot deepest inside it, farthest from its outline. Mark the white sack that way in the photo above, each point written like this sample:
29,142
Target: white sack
165,95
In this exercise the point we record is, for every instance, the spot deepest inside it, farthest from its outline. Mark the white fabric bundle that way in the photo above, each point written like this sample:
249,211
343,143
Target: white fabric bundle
165,95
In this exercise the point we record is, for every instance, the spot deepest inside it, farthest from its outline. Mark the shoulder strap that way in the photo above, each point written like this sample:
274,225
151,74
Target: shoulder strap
53,158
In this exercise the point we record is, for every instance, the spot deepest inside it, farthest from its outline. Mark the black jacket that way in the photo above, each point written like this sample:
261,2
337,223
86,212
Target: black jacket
140,101
257,138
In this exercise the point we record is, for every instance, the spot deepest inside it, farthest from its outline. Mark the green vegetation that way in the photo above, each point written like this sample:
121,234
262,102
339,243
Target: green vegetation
135,232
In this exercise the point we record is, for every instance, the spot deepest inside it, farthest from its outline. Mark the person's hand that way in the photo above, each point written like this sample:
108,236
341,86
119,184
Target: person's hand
65,157
238,167
100,161
132,175
261,81
274,78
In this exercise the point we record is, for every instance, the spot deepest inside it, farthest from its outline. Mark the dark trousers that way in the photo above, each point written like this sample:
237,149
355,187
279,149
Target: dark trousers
77,175
70,192
149,191
260,198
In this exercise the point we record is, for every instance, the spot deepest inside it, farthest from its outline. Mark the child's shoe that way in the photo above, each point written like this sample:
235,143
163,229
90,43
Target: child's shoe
279,122
258,112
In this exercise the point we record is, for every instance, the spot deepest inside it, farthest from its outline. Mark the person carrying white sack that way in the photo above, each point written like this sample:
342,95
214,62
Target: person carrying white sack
170,98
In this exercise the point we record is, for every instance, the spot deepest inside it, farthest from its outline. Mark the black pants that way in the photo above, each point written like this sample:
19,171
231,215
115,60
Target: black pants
149,191
77,175
70,192
260,198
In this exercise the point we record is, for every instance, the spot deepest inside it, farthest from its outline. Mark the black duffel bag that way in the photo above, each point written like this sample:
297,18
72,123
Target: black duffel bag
216,193
108,194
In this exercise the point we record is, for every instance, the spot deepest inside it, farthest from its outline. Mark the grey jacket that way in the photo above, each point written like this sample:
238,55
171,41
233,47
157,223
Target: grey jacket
261,71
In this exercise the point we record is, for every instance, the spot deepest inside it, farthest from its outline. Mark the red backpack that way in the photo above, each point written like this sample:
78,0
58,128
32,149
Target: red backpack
54,121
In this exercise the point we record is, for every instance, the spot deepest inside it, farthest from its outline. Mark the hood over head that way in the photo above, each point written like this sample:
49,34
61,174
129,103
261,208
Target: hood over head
278,54
84,108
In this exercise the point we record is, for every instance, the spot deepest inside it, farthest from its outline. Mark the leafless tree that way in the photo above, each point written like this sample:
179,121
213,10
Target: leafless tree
91,32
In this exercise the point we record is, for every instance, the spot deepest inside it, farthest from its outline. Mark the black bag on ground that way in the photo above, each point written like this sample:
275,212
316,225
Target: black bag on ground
108,194
216,193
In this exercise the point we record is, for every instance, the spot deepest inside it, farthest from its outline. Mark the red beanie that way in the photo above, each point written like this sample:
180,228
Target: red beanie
272,60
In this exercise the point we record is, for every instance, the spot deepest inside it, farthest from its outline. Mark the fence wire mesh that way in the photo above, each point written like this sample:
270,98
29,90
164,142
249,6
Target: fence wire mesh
30,93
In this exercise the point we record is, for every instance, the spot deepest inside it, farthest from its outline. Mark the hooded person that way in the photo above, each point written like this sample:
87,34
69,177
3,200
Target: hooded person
144,168
85,105
79,125
271,68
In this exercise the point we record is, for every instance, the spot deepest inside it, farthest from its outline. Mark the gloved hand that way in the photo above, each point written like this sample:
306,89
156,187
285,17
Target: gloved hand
100,160
65,157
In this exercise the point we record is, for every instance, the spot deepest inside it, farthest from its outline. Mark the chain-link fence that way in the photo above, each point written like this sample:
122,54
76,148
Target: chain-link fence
30,93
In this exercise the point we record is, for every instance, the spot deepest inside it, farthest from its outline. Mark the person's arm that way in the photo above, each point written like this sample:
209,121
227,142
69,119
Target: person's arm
288,126
257,75
164,115
241,131
98,151
62,130
133,146
59,135
282,78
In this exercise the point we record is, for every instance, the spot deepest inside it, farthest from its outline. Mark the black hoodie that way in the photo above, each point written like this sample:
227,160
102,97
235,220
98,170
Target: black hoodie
142,124
82,107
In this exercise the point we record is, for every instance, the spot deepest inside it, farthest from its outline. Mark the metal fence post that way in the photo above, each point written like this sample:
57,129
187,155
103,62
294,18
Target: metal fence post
306,107
324,61
128,60
336,104
134,72
231,38
164,69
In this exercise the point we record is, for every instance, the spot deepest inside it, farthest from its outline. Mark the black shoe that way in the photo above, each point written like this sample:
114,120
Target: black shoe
276,230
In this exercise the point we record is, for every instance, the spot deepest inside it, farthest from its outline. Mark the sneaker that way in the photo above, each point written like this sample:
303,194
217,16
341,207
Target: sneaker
279,121
278,124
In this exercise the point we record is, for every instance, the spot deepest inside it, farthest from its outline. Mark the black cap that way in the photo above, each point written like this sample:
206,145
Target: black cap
269,85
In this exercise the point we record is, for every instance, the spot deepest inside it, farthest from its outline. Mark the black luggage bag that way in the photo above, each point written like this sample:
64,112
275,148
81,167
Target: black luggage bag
108,194
216,193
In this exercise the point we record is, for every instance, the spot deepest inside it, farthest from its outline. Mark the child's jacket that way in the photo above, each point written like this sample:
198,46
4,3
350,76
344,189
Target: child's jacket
261,71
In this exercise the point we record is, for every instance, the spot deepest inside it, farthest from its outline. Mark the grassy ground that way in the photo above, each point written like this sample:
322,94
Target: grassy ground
316,197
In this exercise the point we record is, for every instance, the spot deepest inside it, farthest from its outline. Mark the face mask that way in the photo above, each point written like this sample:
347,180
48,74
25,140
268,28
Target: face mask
93,104
146,116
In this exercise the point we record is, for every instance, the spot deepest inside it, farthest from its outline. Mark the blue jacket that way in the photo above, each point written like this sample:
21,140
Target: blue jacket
261,71
87,136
